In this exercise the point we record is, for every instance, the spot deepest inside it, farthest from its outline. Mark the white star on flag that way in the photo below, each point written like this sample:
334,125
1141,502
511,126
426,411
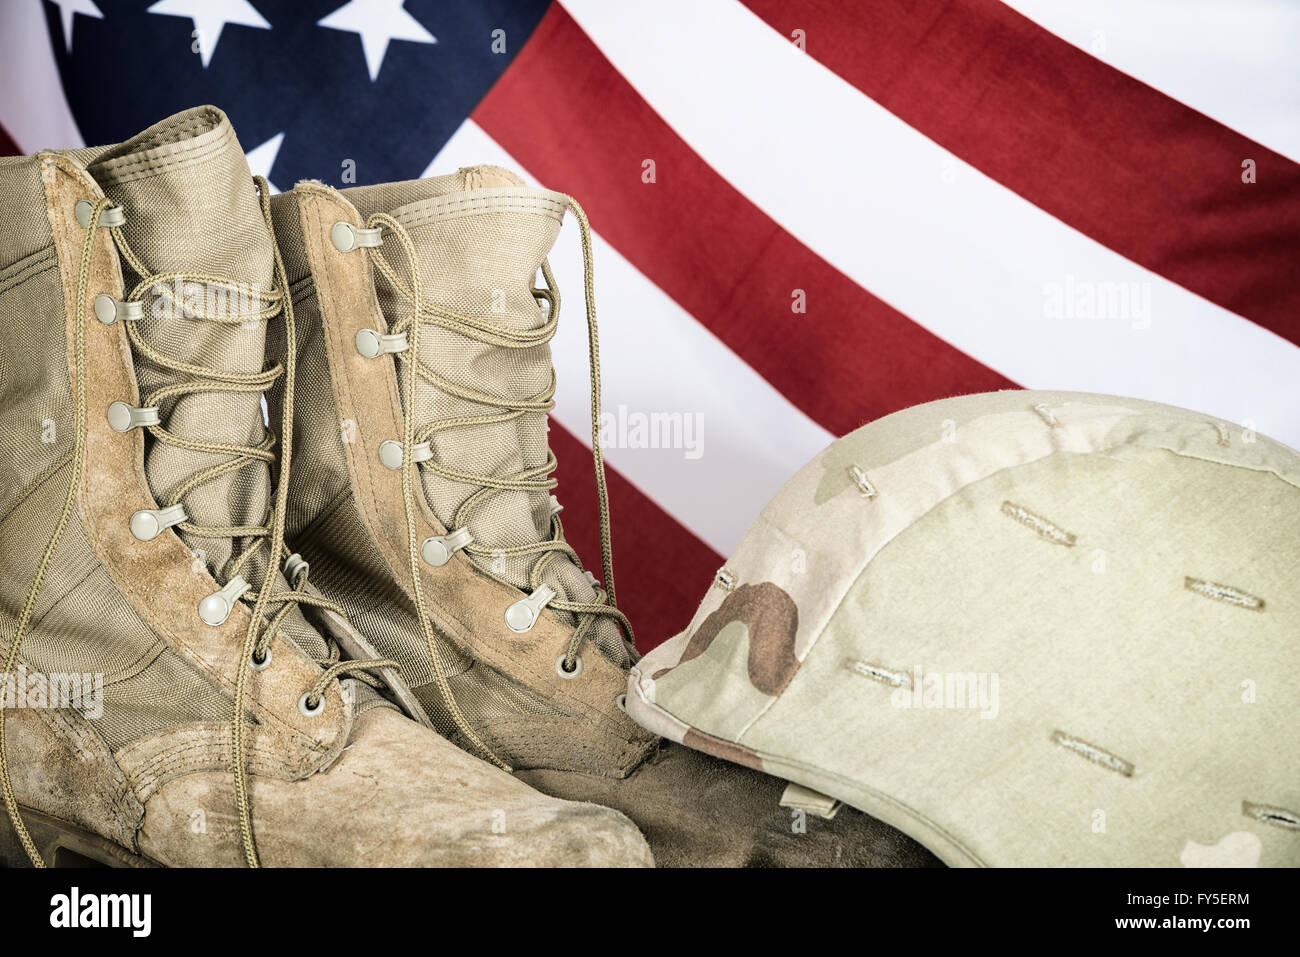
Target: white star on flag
69,9
378,22
210,18
262,158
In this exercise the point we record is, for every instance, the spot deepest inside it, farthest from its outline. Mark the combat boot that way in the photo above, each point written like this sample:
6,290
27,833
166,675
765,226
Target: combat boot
422,497
176,692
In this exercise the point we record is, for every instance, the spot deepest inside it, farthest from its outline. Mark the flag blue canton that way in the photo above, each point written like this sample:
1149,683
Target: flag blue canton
378,87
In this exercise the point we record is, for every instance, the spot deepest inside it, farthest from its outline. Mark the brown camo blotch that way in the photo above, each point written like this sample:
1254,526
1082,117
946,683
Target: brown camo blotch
772,619
727,750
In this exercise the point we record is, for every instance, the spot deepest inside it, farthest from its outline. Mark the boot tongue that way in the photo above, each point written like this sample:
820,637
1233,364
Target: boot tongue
191,207
479,254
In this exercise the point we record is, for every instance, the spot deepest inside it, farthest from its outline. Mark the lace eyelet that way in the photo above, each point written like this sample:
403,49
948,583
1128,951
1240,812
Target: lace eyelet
564,672
347,237
437,550
217,608
372,345
148,523
295,566
262,665
621,702
123,417
523,614
390,453
112,216
306,709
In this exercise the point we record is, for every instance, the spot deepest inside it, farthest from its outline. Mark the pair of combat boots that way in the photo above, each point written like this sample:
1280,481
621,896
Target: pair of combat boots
357,637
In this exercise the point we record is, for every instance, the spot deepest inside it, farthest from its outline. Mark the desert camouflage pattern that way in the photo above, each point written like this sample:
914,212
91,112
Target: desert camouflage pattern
1025,628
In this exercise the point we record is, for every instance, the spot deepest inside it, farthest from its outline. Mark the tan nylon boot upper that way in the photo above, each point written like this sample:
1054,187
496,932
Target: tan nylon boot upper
483,386
137,286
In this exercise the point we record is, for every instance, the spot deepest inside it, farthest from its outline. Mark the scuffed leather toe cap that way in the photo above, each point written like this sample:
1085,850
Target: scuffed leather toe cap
398,795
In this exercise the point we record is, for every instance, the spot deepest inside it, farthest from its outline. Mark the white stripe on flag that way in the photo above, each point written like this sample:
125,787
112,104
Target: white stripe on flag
962,255
32,106
656,358
1235,62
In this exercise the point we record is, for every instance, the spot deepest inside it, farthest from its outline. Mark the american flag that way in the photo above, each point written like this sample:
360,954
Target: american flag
809,213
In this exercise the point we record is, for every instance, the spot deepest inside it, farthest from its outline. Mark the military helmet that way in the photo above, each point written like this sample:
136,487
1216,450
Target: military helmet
1026,628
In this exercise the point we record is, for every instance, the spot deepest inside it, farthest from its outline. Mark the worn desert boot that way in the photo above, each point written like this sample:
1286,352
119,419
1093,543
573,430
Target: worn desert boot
421,496
170,698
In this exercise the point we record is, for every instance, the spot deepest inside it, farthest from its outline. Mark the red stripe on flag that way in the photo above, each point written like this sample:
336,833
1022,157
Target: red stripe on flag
7,145
1145,175
565,113
661,569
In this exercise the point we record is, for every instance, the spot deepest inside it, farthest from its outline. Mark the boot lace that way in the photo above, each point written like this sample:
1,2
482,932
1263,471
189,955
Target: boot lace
269,536
423,312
